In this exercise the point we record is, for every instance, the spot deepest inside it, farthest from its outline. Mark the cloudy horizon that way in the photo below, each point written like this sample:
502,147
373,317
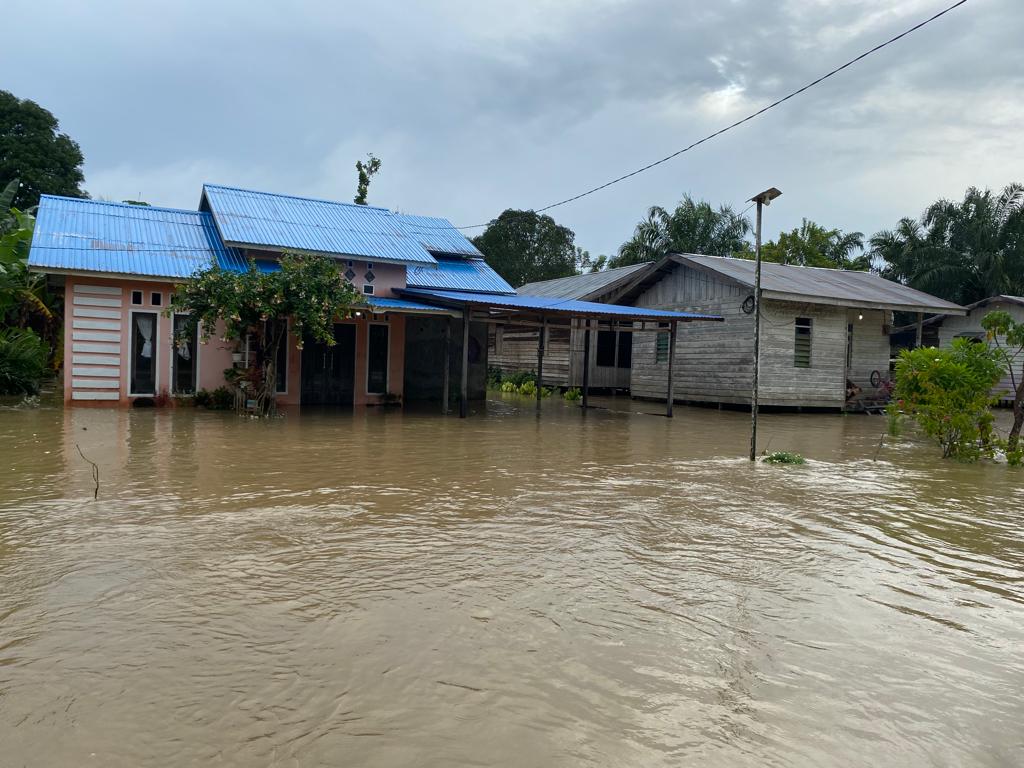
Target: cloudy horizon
479,107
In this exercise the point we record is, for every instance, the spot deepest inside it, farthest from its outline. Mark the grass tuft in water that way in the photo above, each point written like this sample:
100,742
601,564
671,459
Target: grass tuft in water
784,457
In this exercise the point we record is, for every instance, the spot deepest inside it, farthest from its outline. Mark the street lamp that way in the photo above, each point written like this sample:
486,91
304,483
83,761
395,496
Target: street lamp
762,199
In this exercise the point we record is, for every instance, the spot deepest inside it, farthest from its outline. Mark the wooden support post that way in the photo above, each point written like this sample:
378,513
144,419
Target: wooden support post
671,395
540,359
586,365
446,379
920,330
464,385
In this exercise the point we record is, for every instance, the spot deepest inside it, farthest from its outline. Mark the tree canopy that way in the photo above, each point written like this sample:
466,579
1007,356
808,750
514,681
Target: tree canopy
960,251
307,290
693,227
811,245
364,173
524,247
33,149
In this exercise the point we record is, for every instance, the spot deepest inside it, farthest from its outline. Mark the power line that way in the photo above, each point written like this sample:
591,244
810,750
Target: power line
741,121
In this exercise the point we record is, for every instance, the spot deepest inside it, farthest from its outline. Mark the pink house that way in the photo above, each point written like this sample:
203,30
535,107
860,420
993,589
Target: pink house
119,265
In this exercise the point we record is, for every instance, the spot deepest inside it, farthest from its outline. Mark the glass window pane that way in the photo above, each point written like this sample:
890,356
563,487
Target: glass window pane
184,358
143,367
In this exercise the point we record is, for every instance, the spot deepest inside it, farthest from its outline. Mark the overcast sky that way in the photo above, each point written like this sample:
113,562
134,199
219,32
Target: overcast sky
476,106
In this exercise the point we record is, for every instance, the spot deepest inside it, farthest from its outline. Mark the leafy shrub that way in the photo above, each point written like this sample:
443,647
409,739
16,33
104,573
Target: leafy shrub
220,399
495,376
948,393
572,394
528,388
784,457
23,358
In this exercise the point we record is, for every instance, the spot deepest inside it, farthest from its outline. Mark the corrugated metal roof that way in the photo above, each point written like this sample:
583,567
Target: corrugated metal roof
555,305
94,236
438,235
386,304
587,286
265,220
818,285
458,275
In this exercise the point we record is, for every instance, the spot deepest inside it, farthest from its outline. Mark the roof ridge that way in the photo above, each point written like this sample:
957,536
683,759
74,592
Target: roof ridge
297,197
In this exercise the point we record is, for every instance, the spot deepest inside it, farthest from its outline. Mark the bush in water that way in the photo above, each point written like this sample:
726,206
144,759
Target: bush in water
23,358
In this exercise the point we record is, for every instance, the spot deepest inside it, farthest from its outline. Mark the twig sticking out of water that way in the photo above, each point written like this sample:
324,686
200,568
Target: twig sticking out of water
95,472
764,451
879,448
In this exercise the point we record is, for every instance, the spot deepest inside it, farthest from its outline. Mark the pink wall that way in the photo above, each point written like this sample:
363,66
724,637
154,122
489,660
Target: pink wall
97,333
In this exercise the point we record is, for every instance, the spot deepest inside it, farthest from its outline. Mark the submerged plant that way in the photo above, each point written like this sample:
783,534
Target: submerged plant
784,457
572,394
23,358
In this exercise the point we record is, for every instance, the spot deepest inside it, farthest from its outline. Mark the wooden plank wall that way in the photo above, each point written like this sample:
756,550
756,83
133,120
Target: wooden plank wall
970,324
514,350
714,361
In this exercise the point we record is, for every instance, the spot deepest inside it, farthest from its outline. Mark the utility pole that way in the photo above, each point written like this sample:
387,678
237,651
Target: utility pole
762,199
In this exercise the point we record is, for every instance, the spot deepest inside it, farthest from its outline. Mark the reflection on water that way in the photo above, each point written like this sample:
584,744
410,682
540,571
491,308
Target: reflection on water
385,588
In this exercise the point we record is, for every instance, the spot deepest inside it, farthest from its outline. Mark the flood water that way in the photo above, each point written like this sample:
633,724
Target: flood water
382,588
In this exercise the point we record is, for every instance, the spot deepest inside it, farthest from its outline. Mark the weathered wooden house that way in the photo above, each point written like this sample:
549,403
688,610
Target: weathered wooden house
939,331
513,348
820,330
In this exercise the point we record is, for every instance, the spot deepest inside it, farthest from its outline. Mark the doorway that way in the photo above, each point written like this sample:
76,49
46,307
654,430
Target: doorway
328,373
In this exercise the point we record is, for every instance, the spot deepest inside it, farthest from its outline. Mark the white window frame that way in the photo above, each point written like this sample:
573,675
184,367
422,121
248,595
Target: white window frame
131,354
387,367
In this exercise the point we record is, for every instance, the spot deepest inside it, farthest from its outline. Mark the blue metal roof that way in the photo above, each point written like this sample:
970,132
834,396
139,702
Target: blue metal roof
458,275
438,235
385,304
282,222
93,236
554,304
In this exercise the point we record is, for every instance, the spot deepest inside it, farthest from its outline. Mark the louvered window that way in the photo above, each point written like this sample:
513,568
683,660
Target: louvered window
802,343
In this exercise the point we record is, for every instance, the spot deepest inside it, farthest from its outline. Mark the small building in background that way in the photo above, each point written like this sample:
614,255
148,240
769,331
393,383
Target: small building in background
513,348
939,331
824,332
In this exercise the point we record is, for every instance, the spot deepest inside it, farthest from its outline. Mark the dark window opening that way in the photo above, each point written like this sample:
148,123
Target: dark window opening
143,363
849,346
377,360
606,349
183,373
625,355
802,343
137,298
156,299
368,289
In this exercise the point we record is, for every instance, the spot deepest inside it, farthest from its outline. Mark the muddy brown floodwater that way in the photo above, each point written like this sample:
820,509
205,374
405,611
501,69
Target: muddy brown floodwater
382,588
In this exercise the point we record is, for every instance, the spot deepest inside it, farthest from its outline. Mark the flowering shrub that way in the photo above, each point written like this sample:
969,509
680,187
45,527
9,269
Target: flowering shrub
307,290
948,393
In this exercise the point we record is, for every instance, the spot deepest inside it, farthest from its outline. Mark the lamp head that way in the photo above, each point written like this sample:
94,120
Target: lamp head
766,197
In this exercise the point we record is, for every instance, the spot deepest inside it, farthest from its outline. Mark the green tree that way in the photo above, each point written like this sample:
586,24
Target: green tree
586,264
365,172
307,290
811,245
33,149
1006,335
524,247
948,392
693,227
961,251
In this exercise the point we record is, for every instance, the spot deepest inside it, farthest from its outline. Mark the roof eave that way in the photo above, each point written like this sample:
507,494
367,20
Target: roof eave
277,249
803,298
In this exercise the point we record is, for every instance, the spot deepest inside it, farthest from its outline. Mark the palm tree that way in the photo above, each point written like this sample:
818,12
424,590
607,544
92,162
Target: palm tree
961,251
693,227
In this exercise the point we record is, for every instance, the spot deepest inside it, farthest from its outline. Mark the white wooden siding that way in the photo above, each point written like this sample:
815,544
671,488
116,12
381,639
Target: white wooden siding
96,342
